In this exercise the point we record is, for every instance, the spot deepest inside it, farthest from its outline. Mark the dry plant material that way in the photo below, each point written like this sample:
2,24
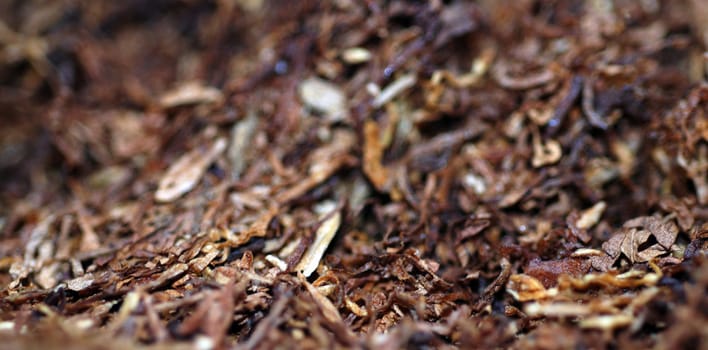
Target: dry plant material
545,153
589,217
394,174
356,55
324,97
190,93
392,90
242,136
323,236
186,172
631,241
373,156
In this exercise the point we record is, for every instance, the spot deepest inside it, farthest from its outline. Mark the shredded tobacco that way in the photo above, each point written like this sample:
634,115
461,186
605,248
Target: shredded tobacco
395,174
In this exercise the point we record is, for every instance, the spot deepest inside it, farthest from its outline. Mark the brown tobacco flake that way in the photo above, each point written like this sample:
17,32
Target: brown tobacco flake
664,230
199,264
472,228
373,155
258,228
501,73
323,163
89,239
632,237
171,274
184,174
130,136
548,271
681,208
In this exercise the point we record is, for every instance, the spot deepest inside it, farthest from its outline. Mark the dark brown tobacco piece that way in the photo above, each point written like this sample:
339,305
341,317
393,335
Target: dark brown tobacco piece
353,174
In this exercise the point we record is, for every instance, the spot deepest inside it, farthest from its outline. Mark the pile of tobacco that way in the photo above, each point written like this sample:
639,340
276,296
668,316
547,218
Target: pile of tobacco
259,174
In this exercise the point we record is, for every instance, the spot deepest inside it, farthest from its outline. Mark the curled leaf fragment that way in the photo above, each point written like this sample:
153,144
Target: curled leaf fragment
526,288
545,153
479,68
594,117
503,76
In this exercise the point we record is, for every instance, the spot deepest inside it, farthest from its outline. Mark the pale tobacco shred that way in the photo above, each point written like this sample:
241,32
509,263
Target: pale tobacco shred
353,174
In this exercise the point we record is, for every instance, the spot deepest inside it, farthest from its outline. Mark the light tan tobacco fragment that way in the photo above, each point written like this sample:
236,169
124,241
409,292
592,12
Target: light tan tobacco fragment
323,236
355,308
80,283
525,288
479,68
324,97
607,321
184,174
394,89
557,309
591,216
356,55
190,93
277,262
545,154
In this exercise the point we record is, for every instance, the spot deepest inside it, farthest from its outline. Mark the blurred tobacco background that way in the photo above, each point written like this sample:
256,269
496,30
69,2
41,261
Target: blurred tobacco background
353,174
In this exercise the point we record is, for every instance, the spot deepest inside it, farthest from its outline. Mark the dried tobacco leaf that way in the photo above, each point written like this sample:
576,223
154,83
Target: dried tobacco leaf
589,217
548,272
632,238
241,138
482,157
503,76
323,164
356,55
323,236
526,288
392,90
190,93
185,173
373,155
324,97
